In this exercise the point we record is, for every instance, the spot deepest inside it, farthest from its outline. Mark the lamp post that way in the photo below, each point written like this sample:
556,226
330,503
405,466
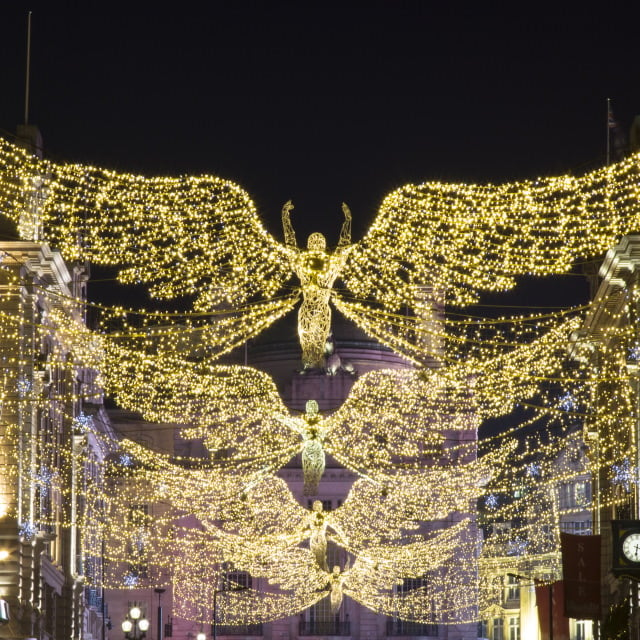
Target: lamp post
135,625
215,606
160,591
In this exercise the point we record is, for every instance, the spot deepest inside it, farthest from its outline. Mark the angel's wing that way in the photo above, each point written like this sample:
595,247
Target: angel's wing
204,491
454,397
266,514
371,515
388,565
197,236
421,580
383,424
492,386
237,411
462,239
381,512
243,420
273,589
446,597
293,569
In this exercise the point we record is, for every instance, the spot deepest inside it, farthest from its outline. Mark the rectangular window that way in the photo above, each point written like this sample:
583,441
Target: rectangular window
582,493
501,528
497,629
513,588
514,628
566,496
235,579
581,527
399,627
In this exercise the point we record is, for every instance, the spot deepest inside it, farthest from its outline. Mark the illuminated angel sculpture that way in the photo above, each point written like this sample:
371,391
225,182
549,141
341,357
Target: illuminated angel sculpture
313,459
445,557
318,524
336,587
269,520
317,272
201,237
390,418
239,410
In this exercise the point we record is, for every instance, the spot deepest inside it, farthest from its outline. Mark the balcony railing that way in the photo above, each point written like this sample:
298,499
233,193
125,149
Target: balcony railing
324,628
93,598
238,630
406,628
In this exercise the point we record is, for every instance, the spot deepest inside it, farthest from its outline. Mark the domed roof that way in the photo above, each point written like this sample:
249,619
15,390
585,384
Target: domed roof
277,352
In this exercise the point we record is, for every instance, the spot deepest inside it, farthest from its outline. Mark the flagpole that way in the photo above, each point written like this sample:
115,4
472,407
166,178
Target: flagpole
609,114
26,84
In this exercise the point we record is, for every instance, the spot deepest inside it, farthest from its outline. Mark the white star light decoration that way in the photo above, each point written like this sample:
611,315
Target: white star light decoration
624,474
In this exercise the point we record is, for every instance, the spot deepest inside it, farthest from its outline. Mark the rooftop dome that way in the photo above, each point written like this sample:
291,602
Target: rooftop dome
277,352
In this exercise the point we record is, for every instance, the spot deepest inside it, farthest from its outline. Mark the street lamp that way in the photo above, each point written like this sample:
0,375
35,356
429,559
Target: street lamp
215,606
160,591
135,625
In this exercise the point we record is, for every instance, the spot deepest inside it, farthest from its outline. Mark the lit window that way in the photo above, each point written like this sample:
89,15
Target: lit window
514,628
497,629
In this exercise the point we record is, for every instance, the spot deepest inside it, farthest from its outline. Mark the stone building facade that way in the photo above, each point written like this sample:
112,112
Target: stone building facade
46,398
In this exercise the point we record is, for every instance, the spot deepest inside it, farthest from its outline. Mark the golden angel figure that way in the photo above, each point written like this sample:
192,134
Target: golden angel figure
269,521
296,583
318,524
336,588
446,557
239,409
313,459
390,417
317,271
201,236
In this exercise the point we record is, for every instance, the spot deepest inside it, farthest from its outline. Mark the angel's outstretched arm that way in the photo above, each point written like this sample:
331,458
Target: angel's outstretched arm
339,536
345,232
289,233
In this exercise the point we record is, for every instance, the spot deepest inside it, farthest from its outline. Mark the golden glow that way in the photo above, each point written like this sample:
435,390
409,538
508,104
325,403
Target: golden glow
408,434
202,237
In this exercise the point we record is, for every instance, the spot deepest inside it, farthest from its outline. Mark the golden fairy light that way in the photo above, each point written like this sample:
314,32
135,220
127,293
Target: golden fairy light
402,432
202,237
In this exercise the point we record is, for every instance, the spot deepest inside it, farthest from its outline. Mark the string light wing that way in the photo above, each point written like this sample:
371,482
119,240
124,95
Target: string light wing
202,566
231,408
463,238
269,517
201,236
196,236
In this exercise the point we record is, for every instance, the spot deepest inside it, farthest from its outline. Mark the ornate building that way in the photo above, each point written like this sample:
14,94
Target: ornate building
609,341
47,400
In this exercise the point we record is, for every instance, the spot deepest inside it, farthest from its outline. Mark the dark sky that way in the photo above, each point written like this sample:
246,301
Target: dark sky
322,102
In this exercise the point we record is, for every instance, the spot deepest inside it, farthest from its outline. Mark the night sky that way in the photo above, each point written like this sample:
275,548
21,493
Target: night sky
324,102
